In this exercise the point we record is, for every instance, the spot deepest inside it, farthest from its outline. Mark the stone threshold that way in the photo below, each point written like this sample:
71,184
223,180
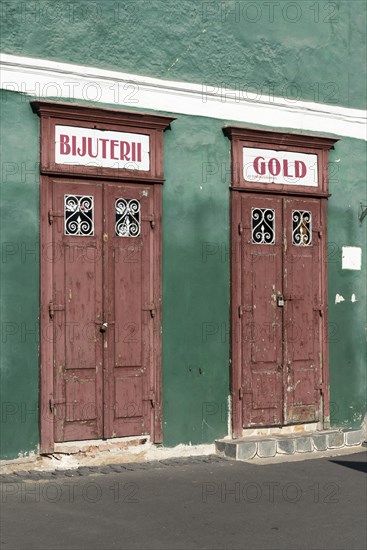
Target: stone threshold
99,445
247,448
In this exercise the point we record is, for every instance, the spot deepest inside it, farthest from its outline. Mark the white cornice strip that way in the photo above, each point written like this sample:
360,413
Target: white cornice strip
44,78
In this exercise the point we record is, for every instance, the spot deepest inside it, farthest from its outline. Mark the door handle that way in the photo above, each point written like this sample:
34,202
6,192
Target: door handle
103,326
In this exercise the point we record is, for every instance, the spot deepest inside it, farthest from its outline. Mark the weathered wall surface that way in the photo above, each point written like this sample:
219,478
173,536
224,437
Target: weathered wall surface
195,282
19,298
179,41
297,50
347,319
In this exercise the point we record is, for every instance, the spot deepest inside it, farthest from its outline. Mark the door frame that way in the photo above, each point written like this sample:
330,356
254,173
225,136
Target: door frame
252,137
51,114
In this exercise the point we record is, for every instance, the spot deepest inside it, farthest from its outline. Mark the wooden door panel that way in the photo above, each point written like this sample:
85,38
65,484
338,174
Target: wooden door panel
126,288
82,296
129,294
302,319
77,305
261,317
265,328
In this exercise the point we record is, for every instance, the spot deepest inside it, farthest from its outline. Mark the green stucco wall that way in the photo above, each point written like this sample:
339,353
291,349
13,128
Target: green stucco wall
308,49
347,319
195,280
202,42
19,290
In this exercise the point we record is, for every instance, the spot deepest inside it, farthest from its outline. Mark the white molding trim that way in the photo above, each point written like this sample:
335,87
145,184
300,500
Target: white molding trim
42,78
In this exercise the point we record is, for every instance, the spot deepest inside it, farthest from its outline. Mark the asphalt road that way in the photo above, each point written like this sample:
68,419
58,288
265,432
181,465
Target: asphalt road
318,504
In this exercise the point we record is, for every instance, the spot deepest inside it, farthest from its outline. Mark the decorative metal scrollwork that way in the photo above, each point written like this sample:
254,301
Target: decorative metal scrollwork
127,218
79,215
301,228
263,225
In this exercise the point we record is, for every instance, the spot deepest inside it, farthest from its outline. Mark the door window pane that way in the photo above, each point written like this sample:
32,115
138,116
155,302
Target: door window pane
78,210
301,228
127,218
263,225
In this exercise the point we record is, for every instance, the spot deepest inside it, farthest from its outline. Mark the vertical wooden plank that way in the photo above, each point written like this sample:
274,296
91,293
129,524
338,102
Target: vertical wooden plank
236,347
46,328
323,279
157,435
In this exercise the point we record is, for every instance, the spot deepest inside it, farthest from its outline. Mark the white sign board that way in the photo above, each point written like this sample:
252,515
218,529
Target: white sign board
105,149
352,257
281,167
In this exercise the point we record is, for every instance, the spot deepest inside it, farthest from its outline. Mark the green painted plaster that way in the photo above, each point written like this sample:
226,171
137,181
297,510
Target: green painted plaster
311,50
19,298
195,282
347,320
195,333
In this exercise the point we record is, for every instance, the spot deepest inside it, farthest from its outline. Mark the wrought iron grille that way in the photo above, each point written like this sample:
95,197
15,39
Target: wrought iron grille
301,228
263,225
127,218
78,215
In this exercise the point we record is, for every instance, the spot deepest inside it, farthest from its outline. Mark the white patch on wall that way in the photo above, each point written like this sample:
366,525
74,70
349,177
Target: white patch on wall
339,298
353,298
351,257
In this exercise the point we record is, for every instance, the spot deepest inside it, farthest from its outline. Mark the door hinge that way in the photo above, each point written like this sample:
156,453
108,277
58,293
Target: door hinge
151,398
150,218
52,404
320,233
53,307
320,309
240,311
322,388
151,308
52,215
240,228
240,393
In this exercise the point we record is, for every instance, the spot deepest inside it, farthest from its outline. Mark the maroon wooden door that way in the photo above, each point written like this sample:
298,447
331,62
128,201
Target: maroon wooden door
303,310
130,309
102,309
280,310
261,337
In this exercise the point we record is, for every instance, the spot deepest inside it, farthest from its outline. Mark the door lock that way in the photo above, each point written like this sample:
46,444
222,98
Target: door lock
103,327
280,301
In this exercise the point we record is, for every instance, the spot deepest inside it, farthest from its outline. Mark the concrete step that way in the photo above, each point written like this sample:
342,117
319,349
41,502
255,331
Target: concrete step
248,447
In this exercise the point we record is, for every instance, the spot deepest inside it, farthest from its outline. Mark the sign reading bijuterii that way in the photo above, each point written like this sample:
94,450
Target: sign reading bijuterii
105,149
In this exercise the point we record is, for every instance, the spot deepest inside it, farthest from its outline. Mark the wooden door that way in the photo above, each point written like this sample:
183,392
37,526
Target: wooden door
261,337
103,308
130,309
303,310
280,310
76,310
